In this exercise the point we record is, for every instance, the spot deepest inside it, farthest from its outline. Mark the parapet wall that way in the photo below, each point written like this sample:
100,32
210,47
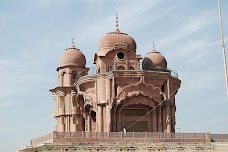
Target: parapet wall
129,141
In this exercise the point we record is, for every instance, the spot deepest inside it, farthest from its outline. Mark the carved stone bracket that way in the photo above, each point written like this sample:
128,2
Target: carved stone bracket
54,95
61,93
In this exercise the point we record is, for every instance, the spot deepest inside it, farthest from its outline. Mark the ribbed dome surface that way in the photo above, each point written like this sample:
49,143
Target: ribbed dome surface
72,56
154,60
117,38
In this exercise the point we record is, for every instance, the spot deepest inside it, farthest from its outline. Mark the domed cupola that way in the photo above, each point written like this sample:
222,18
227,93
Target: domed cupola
154,61
72,56
115,39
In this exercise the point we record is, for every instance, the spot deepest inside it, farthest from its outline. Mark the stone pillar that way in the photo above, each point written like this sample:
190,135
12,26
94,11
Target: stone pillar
88,123
164,117
99,118
62,124
168,110
61,105
114,119
119,125
168,89
68,102
70,82
108,90
74,104
113,88
101,86
150,121
104,118
56,106
106,108
68,123
160,118
155,122
79,123
108,118
112,113
168,119
73,127
173,121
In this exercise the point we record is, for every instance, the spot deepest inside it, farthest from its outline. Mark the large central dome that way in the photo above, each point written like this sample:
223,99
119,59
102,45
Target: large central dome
116,38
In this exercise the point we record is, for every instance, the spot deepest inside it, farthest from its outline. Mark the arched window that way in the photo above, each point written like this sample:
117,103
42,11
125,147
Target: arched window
61,102
63,78
74,119
120,68
74,101
74,76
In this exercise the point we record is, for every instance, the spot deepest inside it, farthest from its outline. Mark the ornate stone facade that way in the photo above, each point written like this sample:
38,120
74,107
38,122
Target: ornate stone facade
120,94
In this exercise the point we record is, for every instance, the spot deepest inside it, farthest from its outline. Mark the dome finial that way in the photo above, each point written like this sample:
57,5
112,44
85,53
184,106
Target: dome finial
72,46
154,50
117,22
72,39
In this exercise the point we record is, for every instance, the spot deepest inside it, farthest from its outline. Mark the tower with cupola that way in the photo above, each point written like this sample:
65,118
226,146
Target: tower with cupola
68,112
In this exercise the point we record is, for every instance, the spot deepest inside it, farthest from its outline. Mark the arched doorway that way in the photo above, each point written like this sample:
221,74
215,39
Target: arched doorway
135,118
135,114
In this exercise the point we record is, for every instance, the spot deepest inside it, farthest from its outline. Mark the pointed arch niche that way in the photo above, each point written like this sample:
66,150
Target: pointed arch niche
132,109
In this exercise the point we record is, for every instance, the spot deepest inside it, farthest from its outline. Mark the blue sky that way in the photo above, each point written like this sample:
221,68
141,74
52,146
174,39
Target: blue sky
34,33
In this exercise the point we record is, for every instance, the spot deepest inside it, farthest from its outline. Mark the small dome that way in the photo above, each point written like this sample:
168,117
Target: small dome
73,56
117,38
154,60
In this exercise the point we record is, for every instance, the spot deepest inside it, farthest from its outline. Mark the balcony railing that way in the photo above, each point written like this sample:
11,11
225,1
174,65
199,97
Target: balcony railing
219,137
131,135
92,71
174,73
122,136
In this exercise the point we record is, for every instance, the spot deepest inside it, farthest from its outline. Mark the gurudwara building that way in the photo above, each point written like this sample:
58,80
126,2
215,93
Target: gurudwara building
119,93
128,104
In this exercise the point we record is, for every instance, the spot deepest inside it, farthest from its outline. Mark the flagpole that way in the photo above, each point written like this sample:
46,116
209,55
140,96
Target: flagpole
223,45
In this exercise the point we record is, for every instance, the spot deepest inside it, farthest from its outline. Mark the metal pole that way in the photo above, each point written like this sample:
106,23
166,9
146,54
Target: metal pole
223,46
